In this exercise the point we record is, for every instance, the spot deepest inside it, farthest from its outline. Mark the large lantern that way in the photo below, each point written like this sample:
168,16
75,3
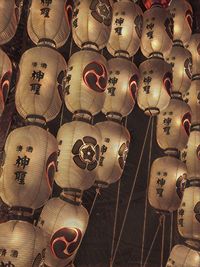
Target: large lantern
114,150
64,225
126,29
38,90
167,182
21,244
49,22
194,48
91,23
28,171
122,87
173,126
154,86
149,3
86,82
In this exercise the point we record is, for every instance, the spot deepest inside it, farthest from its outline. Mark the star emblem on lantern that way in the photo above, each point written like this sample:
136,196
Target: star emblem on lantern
101,11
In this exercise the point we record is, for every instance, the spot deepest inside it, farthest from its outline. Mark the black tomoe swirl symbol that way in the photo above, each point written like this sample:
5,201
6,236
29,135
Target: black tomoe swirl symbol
65,241
133,85
95,76
197,211
123,152
188,67
169,27
186,122
51,167
101,11
60,78
188,16
167,81
198,152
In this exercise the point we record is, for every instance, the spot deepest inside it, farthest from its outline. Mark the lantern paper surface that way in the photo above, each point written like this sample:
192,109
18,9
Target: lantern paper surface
194,48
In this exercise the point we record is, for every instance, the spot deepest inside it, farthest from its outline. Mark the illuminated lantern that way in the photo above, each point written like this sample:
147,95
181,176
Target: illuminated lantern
91,23
64,225
21,244
49,22
183,256
114,151
28,171
39,88
173,126
122,87
79,149
86,82
154,85
167,182
126,29
157,34
194,48
149,3
181,12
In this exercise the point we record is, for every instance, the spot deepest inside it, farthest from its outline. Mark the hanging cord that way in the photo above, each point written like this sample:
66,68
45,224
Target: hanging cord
171,231
131,193
146,195
94,201
163,241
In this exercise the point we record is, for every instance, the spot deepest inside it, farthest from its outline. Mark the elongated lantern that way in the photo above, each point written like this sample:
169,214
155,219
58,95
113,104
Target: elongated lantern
64,225
49,22
39,88
194,48
28,170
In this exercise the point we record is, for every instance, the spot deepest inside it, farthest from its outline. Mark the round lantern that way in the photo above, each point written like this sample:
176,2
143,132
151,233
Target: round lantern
91,23
64,225
194,48
154,85
157,34
28,171
79,149
21,244
38,90
86,82
181,12
173,126
122,87
183,256
49,22
149,3
114,151
167,182
126,30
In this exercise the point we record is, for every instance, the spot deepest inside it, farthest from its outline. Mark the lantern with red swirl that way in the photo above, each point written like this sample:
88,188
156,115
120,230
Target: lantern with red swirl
149,3
194,48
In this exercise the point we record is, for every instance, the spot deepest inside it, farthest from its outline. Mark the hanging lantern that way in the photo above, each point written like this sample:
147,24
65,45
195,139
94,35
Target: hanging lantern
122,87
114,151
154,86
167,182
39,88
79,148
49,22
64,225
21,244
149,3
182,14
157,34
183,256
126,29
173,126
91,23
86,82
194,48
28,171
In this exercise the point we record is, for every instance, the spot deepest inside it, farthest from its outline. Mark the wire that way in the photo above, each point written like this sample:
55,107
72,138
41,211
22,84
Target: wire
163,241
171,231
94,201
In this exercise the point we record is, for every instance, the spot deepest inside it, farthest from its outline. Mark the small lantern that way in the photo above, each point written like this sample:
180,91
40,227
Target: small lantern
194,48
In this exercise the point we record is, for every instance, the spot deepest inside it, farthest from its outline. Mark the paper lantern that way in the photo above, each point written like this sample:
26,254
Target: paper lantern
122,87
149,3
86,82
173,126
21,244
183,256
126,29
194,48
64,225
91,23
167,182
28,171
114,151
157,34
38,90
49,22
154,85
79,149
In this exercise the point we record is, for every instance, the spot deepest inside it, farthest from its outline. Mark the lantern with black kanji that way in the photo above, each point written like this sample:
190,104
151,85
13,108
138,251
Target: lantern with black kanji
114,151
194,48
29,167
154,85
126,30
86,82
64,226
49,22
167,181
21,244
39,87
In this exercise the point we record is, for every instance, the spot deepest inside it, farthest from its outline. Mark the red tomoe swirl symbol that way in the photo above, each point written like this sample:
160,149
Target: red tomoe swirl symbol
95,76
51,169
186,122
69,11
189,19
149,3
133,86
5,83
198,152
65,241
167,81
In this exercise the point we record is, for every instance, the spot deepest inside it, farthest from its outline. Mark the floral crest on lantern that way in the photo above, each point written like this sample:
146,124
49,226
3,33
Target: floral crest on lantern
101,11
123,153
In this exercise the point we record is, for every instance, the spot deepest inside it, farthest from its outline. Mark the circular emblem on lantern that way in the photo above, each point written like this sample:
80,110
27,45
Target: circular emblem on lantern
181,184
198,152
169,26
167,80
69,11
133,85
51,169
198,49
139,25
123,153
189,19
197,211
186,122
188,67
101,11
